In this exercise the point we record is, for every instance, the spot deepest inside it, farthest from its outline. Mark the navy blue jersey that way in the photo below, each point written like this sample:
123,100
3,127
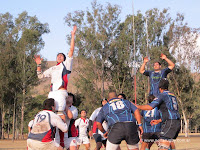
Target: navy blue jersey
167,104
148,116
155,78
117,110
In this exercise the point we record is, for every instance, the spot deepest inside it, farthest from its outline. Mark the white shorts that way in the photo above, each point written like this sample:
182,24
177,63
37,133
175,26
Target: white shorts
112,146
70,142
60,99
38,145
83,139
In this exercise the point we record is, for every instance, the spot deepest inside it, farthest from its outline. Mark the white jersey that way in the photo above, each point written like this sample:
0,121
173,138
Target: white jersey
30,124
43,124
59,74
82,125
74,111
93,118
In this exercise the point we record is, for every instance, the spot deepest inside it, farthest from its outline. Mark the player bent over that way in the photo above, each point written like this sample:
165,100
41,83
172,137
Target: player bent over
42,132
122,124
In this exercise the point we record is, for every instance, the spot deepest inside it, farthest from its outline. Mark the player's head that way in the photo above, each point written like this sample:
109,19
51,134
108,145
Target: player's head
60,57
122,96
112,95
157,66
70,99
104,101
163,84
151,98
83,113
49,104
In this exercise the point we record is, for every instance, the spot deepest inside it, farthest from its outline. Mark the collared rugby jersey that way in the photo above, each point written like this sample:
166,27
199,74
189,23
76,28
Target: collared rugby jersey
167,104
43,126
82,125
155,78
59,74
148,116
117,110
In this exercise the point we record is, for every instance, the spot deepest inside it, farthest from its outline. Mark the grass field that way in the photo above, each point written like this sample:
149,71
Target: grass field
182,143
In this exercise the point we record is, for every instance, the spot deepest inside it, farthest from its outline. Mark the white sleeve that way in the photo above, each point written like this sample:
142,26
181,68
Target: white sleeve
57,121
74,112
77,122
95,114
68,63
45,74
30,124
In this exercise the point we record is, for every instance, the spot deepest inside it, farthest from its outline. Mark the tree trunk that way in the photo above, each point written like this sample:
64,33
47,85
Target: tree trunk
22,115
195,129
181,126
8,131
182,108
14,117
16,128
2,120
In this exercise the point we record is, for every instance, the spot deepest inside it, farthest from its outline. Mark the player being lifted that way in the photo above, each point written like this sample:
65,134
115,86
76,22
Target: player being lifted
157,74
168,106
59,75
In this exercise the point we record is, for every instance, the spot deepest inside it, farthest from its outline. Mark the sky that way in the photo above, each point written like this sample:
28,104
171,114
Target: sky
54,11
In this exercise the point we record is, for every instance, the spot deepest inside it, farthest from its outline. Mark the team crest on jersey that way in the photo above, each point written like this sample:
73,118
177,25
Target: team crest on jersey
74,141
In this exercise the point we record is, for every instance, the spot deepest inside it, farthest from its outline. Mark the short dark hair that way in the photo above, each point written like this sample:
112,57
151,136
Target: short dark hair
48,103
104,99
123,95
157,62
150,98
73,97
83,110
63,55
164,84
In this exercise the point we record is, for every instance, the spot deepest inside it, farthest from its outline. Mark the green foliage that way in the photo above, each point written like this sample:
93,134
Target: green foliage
20,40
105,53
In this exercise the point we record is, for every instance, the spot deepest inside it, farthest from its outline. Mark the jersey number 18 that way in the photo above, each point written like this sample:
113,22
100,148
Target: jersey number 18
117,105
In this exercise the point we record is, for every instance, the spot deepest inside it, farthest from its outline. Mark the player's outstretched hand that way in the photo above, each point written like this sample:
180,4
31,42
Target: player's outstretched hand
38,59
163,56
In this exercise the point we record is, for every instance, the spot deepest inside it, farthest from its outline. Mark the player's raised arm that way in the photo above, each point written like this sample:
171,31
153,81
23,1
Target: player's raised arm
38,61
70,54
170,63
142,68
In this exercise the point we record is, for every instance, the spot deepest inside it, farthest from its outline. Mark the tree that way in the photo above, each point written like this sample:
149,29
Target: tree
20,41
